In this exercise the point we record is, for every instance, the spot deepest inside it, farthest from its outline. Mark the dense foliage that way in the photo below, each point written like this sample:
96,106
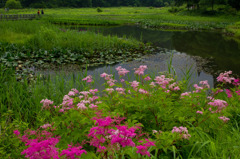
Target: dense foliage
114,3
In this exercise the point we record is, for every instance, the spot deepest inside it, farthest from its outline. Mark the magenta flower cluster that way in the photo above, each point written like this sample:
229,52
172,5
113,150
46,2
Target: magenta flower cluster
43,146
109,134
145,145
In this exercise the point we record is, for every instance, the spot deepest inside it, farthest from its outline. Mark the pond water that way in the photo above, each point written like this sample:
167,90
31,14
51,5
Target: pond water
206,53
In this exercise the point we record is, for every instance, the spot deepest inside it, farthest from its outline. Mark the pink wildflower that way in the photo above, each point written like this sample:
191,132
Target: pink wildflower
143,149
45,126
109,90
93,91
71,93
229,93
199,112
42,149
205,84
120,90
16,132
73,152
140,71
182,131
219,104
88,79
121,71
147,78
134,84
225,119
81,106
142,91
46,103
225,78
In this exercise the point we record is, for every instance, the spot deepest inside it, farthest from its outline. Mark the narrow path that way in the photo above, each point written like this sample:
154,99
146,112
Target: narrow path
17,16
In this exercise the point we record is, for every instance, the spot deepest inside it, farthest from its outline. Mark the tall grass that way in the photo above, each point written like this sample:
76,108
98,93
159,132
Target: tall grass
38,34
24,98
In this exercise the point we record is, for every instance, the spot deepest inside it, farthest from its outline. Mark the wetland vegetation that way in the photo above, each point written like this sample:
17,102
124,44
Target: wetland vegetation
122,112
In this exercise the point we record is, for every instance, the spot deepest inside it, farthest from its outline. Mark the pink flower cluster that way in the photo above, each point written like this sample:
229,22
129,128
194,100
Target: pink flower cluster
199,112
44,146
236,82
108,134
42,149
182,131
186,94
134,85
46,103
225,77
79,100
109,79
120,90
162,81
174,87
72,152
225,119
45,126
143,149
121,71
140,71
88,79
218,104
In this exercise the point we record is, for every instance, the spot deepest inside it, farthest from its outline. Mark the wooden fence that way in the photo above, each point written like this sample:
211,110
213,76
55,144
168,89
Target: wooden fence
17,16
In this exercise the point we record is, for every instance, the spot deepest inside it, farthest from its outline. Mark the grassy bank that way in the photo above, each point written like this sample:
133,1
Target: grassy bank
150,17
36,43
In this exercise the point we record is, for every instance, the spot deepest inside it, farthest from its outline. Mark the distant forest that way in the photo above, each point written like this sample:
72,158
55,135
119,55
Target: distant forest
116,3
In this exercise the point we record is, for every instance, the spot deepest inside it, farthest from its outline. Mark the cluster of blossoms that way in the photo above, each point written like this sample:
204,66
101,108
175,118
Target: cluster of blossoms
72,152
109,79
121,71
145,145
109,134
182,131
225,119
173,87
84,100
46,103
140,71
218,104
225,77
162,81
186,94
88,79
204,84
44,146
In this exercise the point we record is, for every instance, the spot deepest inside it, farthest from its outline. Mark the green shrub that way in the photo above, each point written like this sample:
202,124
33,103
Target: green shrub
174,10
99,10
13,4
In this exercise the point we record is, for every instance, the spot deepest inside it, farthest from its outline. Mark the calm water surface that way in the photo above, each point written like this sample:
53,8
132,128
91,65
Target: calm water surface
206,53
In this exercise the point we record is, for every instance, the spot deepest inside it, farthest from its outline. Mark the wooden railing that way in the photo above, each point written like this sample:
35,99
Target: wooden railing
17,16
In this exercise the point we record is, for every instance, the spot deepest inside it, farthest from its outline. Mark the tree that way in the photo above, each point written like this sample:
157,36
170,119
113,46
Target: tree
234,4
13,4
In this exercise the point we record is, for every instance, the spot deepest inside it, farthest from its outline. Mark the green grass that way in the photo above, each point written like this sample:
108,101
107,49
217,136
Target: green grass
38,34
151,17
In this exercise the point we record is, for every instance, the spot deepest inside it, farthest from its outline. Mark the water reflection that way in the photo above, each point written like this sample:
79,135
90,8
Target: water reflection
156,63
224,52
188,49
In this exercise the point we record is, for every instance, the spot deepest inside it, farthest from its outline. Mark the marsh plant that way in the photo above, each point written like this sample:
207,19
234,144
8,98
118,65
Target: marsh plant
149,117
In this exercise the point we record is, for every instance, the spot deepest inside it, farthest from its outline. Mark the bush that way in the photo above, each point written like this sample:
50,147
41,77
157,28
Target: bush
99,9
13,4
174,10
